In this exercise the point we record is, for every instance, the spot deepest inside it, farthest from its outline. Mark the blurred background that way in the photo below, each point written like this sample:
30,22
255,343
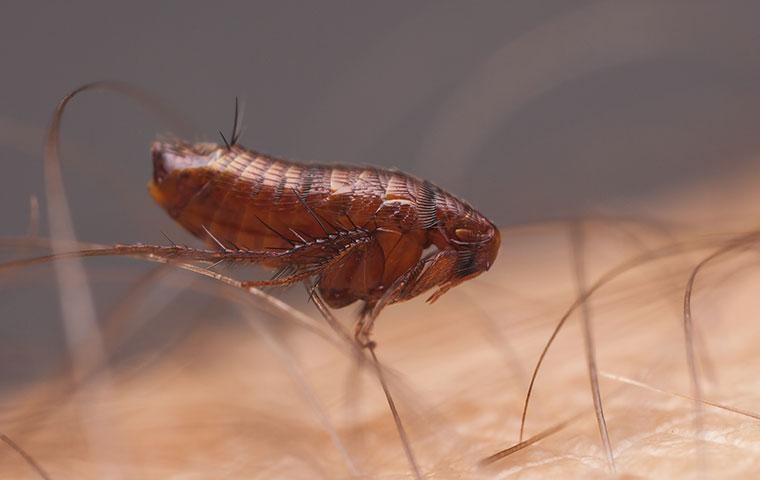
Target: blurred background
530,110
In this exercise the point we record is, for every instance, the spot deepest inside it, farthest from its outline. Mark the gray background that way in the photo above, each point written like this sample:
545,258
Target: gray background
528,109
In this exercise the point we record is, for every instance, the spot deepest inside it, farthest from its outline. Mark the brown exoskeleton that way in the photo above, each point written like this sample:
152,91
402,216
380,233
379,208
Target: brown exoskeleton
363,233
359,233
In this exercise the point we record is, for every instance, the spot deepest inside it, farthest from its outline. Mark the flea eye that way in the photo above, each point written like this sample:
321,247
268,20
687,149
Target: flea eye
465,235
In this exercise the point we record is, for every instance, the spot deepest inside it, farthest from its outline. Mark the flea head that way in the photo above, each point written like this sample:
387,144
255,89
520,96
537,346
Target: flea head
468,244
471,246
477,242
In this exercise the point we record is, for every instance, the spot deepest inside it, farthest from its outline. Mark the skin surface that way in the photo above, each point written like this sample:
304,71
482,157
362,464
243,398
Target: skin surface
249,395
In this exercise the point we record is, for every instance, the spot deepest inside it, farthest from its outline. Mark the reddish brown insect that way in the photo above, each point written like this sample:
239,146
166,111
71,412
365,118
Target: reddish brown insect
363,233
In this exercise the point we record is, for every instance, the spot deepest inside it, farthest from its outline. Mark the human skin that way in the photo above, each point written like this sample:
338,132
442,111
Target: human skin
199,387
249,394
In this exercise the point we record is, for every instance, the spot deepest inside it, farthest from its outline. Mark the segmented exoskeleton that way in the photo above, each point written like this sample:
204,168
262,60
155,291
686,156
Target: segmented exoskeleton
362,233
352,233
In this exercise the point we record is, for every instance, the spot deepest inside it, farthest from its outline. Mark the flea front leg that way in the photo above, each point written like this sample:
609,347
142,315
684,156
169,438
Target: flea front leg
429,272
363,330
